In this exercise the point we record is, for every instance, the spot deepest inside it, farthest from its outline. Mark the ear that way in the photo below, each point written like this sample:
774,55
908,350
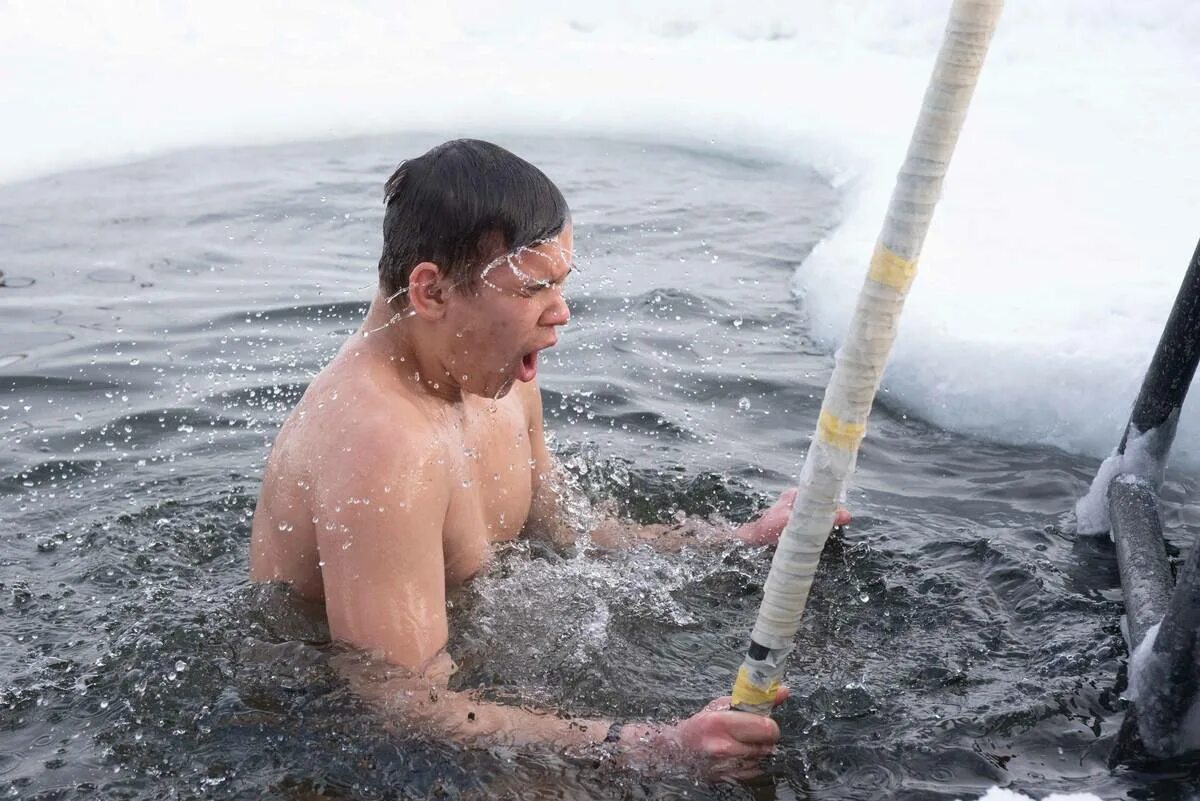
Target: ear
427,292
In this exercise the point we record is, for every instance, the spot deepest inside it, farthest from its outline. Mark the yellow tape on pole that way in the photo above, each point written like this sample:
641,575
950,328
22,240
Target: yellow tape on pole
746,694
892,269
841,434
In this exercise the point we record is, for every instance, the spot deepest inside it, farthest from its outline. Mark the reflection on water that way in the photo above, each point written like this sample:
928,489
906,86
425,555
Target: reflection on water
160,318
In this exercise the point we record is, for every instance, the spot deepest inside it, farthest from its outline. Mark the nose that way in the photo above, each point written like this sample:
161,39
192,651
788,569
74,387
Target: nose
558,313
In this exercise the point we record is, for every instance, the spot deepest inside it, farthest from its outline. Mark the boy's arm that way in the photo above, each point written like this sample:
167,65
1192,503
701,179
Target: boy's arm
547,518
379,517
422,701
716,739
763,529
379,522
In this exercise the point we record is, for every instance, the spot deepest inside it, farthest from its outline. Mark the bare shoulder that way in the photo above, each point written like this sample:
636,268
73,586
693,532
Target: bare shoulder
354,426
348,437
361,424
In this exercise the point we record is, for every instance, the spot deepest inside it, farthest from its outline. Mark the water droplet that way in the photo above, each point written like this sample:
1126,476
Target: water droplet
744,404
180,666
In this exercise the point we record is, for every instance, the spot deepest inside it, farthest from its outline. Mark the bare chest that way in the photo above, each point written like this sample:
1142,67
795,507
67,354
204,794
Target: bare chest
492,490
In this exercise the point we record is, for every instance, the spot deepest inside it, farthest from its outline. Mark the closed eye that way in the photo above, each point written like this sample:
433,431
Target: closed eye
538,286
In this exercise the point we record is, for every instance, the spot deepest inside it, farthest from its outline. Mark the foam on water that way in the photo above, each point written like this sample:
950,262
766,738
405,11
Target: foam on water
999,794
1142,460
1069,213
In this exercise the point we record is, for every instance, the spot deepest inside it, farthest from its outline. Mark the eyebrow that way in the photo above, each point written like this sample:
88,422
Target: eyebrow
543,283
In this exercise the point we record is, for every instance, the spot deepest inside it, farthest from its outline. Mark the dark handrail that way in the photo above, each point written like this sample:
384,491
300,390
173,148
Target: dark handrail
1169,683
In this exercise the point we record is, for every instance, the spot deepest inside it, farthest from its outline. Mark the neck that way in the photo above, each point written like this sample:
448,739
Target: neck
403,339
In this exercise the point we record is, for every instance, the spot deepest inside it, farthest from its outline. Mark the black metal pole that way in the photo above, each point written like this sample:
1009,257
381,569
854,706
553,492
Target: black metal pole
1133,497
1170,687
1133,493
1170,678
1173,366
1141,554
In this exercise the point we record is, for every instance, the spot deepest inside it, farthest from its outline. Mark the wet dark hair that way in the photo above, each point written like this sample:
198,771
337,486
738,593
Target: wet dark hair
460,206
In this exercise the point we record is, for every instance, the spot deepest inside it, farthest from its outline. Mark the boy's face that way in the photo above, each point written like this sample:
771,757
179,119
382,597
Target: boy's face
496,329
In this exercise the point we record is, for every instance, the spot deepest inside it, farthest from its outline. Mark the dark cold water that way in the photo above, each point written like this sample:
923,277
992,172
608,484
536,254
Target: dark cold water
159,319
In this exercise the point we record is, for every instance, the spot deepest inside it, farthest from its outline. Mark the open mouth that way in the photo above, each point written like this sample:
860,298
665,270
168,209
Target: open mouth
528,368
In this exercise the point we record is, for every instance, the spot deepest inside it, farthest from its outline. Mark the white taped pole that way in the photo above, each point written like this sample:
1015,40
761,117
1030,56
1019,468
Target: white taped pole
860,361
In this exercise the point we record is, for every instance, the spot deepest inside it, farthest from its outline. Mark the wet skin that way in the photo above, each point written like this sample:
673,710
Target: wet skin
419,446
414,450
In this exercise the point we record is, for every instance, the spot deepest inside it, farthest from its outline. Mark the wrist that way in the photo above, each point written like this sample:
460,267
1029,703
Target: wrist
642,737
